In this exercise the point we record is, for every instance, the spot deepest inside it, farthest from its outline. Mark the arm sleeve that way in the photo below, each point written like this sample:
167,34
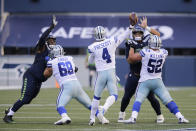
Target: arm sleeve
127,48
142,53
49,64
165,52
91,58
43,38
120,38
90,50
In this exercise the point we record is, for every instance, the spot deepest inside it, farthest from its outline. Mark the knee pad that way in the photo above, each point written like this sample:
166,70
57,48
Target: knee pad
172,107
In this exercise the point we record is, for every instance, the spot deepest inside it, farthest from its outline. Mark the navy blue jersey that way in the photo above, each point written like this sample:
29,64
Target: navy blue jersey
41,57
135,67
39,65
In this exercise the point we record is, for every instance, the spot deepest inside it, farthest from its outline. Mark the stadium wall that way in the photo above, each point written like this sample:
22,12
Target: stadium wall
178,71
27,6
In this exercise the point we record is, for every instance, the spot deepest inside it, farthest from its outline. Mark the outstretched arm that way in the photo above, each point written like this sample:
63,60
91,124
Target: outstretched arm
145,26
44,36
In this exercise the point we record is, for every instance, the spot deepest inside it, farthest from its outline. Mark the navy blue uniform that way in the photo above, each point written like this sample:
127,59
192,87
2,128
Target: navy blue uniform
33,77
132,82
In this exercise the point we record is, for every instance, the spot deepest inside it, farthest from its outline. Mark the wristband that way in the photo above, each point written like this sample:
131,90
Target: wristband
131,27
148,28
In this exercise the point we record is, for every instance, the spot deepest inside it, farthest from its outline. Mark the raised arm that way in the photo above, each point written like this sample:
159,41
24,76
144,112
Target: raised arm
145,26
42,40
118,39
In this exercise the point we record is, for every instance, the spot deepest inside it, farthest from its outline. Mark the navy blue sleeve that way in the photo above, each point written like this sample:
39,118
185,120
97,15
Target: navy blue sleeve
43,38
127,48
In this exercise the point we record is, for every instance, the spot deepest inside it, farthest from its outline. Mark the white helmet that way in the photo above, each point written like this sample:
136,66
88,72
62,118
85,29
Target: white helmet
57,51
99,33
154,42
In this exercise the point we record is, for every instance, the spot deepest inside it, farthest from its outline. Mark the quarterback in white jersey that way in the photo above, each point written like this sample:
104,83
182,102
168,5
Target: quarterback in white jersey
103,53
150,78
63,69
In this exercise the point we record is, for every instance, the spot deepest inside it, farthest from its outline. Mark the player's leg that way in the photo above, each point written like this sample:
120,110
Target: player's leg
81,96
156,106
27,92
142,92
112,88
129,91
162,92
99,86
65,95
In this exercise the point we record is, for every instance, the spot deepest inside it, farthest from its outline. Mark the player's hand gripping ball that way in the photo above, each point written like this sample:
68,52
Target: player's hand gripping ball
133,19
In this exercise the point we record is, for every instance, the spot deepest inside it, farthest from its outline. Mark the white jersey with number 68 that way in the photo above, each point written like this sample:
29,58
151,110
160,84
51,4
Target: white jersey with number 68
103,52
63,69
152,63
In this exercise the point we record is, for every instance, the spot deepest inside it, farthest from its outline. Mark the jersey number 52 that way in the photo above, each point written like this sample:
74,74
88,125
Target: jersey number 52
154,65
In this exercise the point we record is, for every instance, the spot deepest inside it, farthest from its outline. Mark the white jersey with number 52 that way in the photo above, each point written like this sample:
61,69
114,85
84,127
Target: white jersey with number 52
104,51
63,69
152,63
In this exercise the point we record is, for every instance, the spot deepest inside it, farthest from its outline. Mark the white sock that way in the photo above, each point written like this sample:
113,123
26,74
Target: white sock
179,115
10,113
64,115
94,107
109,102
134,114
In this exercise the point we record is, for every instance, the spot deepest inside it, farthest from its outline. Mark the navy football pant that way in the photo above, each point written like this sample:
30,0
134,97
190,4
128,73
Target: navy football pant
30,89
129,91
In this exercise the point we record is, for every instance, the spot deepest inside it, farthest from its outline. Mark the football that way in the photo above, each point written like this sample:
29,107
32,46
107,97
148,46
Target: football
133,18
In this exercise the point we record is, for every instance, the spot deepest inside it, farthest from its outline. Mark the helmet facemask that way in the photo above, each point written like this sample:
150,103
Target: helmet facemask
137,33
50,42
57,51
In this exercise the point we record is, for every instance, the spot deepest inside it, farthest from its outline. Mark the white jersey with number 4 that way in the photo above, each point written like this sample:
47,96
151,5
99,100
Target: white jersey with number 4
63,69
104,51
152,63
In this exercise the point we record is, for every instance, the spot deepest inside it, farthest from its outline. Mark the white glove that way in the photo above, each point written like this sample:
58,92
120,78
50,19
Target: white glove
117,78
54,22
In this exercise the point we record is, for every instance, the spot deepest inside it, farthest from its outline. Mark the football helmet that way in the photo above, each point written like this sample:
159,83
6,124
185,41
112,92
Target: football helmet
154,42
99,33
50,42
57,51
138,33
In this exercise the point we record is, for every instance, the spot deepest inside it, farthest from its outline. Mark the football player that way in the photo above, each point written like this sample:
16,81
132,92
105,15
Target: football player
33,77
139,36
102,51
63,69
152,59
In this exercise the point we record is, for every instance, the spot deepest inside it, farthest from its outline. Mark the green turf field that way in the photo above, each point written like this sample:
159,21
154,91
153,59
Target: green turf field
41,113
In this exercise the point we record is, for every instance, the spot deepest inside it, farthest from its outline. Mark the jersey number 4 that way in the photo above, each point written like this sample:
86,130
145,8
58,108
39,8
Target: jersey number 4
65,68
154,65
106,56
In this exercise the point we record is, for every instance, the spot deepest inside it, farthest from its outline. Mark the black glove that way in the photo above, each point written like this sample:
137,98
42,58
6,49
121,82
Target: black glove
132,43
76,69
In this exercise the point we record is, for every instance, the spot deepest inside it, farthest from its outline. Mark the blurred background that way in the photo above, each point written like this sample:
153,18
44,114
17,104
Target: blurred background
23,21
